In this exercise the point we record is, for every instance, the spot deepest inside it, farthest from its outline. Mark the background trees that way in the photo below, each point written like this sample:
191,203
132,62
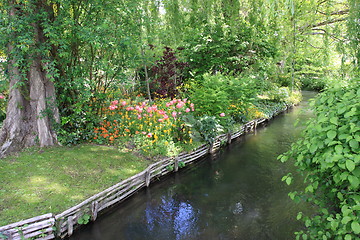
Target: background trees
94,50
64,61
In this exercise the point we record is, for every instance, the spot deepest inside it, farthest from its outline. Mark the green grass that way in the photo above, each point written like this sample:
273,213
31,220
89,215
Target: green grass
54,179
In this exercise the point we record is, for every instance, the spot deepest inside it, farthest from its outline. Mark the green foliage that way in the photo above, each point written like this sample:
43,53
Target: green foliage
353,25
279,94
170,168
181,164
268,107
218,49
84,219
216,94
328,155
78,126
205,128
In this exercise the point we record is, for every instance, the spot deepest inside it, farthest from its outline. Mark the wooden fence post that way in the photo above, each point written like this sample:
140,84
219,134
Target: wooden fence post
211,150
176,164
94,210
228,138
147,177
70,225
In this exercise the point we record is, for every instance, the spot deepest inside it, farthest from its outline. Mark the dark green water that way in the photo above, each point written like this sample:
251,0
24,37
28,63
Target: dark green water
236,195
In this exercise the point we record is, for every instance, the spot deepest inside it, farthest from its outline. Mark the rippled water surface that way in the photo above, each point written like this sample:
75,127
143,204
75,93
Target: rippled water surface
237,194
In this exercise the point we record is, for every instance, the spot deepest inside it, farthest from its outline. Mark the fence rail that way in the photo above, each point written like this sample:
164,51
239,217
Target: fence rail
49,226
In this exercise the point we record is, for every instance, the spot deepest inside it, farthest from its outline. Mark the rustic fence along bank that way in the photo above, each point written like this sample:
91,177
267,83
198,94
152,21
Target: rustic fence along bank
50,226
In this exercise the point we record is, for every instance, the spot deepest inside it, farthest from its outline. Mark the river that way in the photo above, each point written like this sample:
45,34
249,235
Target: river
237,194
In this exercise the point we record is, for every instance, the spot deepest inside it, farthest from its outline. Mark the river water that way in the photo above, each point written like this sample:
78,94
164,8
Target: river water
237,194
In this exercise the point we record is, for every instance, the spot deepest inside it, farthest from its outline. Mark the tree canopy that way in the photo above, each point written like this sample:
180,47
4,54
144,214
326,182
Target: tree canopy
83,53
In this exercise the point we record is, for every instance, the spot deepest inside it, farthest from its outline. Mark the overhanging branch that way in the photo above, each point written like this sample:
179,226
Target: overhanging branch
324,23
340,12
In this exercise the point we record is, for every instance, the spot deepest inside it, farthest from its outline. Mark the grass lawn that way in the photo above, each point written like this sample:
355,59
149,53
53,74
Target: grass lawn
51,180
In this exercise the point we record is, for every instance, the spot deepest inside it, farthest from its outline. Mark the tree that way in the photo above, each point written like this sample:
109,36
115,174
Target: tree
31,111
354,32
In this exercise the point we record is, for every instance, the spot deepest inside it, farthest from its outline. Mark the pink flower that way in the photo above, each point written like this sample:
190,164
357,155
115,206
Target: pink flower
112,107
192,107
149,135
173,114
187,110
166,117
139,116
123,103
161,112
139,109
149,109
143,133
160,120
114,102
222,114
2,97
180,105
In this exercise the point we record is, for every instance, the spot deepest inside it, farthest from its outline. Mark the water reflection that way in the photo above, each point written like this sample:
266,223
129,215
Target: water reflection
171,217
237,195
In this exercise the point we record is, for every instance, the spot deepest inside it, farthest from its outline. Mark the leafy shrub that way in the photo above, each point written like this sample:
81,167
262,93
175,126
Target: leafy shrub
216,94
328,155
279,94
206,128
167,74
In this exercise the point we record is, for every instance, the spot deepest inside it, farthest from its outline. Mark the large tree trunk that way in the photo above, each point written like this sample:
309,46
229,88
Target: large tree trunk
31,110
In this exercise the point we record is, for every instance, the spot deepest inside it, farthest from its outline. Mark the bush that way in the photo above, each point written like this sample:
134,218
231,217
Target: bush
217,94
328,155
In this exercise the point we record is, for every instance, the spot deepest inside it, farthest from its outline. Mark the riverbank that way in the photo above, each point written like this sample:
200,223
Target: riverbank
36,198
36,181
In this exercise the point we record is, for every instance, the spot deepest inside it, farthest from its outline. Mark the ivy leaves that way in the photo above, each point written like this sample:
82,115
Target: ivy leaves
328,154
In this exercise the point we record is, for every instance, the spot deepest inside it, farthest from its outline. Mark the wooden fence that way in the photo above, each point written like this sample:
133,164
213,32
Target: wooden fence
51,226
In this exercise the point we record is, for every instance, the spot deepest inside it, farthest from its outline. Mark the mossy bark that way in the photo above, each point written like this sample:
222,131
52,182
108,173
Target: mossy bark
31,110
